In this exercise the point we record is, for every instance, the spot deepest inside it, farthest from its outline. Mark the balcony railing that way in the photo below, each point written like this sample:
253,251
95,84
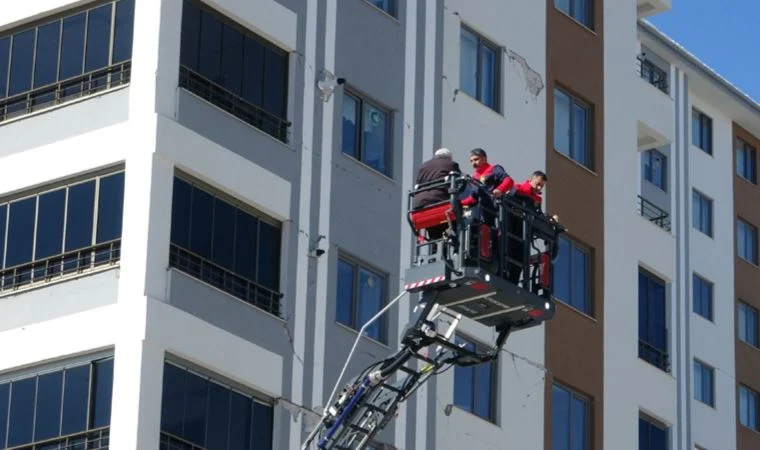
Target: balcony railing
171,442
221,278
654,213
653,74
60,266
244,110
96,439
654,355
64,91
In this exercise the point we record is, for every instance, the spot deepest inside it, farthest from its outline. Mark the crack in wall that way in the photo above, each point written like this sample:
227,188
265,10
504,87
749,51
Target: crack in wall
533,80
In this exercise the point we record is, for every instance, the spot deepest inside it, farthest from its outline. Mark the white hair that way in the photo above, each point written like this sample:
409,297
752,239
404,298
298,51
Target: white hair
443,153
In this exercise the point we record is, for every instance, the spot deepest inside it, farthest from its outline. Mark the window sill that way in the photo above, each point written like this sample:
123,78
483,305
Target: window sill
581,166
575,310
706,319
573,19
750,263
498,114
368,168
749,182
473,415
364,337
651,366
383,12
750,346
663,190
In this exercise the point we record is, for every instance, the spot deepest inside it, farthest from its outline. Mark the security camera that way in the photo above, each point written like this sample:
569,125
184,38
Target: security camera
327,83
341,81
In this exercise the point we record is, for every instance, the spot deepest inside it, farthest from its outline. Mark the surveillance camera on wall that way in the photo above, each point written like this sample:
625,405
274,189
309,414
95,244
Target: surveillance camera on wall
327,84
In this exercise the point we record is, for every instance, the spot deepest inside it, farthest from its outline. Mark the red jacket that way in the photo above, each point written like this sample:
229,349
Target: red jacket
525,190
493,176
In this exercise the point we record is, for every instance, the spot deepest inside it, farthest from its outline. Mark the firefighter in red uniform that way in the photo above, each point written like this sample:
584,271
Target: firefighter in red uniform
493,177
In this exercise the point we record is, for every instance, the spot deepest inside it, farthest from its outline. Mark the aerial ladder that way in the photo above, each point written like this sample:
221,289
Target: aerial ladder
493,265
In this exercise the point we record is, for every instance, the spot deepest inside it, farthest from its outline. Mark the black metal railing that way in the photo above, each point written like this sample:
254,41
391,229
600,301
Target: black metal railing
654,213
652,73
65,91
654,355
95,439
171,442
244,110
59,266
221,278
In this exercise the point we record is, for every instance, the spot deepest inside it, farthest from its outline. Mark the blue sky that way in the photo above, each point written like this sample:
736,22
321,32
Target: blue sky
724,34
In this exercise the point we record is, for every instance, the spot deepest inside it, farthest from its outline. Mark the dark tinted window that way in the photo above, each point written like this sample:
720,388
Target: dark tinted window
46,59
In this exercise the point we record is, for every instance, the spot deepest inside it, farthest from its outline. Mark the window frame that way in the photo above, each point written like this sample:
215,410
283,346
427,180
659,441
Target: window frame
651,422
587,402
752,394
753,232
747,154
704,393
493,389
357,266
664,352
359,142
702,131
574,100
481,41
749,312
704,283
392,8
588,302
699,202
648,158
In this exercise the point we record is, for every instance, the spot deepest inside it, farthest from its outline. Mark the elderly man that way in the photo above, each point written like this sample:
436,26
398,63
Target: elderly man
434,169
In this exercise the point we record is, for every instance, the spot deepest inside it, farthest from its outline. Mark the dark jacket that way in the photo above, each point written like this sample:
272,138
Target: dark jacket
432,170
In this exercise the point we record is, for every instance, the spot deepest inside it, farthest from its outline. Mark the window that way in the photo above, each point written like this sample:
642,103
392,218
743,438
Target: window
655,168
234,69
572,277
206,413
653,333
701,212
480,68
389,6
747,324
704,383
701,131
65,58
366,133
746,161
49,234
73,401
652,434
475,386
746,241
572,127
748,408
219,241
571,420
702,296
360,295
579,10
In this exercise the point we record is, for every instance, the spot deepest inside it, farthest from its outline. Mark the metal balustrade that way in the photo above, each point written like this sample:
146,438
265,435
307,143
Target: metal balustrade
653,74
654,213
95,439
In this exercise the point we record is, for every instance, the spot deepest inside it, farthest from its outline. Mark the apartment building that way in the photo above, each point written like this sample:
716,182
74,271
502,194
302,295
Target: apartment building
243,221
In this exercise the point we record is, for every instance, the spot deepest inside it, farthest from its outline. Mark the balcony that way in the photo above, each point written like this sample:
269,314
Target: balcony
646,8
655,109
653,213
654,355
95,439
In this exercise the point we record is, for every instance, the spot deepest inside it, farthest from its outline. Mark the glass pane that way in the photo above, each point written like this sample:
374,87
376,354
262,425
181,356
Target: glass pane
561,288
3,223
47,421
246,249
173,400
580,280
468,63
350,137
561,122
196,398
79,214
72,46
696,209
232,60
580,425
563,5
488,78
180,234
46,60
253,72
752,326
375,137
5,54
76,397
21,420
240,422
50,224
345,294
20,232
210,50
483,394
698,381
261,427
98,38
370,302
560,418
218,416
124,25
275,82
224,234
21,62
191,22
695,129
201,222
643,307
741,240
743,406
580,150
706,218
5,393
102,389
658,438
657,315
110,207
580,11
269,256
464,377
